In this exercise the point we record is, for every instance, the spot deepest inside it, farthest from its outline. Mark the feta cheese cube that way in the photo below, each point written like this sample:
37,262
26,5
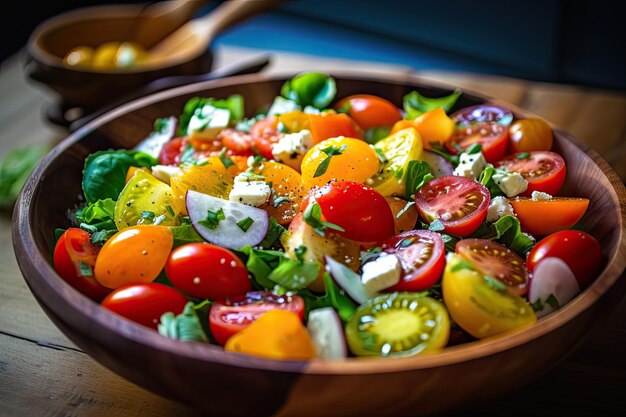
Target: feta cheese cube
499,207
207,122
381,273
250,190
540,196
291,148
470,165
165,172
282,105
511,183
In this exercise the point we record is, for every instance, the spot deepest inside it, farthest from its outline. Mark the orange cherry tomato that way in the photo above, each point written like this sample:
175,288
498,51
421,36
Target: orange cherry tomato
136,254
408,219
287,191
370,111
544,217
433,126
530,134
329,125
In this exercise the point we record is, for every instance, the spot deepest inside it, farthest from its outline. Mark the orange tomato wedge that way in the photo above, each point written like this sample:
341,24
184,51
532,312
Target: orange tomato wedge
544,217
288,191
433,126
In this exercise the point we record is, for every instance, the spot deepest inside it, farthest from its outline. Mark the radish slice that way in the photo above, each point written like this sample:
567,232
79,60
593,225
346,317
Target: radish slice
226,233
157,139
439,165
552,277
348,280
326,330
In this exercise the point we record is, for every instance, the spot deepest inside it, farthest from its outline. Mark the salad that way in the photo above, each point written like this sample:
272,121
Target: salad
330,227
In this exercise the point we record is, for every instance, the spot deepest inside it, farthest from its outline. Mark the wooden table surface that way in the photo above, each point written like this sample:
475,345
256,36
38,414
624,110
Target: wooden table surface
42,373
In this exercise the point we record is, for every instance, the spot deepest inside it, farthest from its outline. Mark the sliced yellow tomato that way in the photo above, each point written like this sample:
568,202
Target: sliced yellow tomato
480,304
433,126
212,179
134,255
353,160
294,121
398,150
277,334
146,200
287,191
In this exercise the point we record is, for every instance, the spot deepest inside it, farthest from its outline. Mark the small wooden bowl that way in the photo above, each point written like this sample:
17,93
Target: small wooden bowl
86,89
226,384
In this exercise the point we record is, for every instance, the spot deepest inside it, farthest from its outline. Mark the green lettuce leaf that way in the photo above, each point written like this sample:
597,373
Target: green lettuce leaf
416,104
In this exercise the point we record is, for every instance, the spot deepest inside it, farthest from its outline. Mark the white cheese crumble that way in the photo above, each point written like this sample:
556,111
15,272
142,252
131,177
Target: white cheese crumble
499,207
208,122
540,196
511,183
470,165
381,273
250,190
292,147
165,172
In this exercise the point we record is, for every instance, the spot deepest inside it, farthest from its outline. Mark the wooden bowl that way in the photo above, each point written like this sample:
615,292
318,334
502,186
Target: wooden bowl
226,384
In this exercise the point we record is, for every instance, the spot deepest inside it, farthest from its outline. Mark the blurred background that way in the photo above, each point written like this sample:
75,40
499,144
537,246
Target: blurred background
558,41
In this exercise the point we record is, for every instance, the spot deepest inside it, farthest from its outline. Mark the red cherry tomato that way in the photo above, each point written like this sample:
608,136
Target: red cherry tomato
496,260
460,203
145,303
370,111
264,134
362,211
72,248
544,170
482,113
240,143
170,153
548,216
422,255
234,314
207,271
579,250
493,138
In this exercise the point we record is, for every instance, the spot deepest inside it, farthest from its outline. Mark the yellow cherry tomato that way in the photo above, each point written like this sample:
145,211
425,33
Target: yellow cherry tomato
294,121
146,200
80,57
398,150
351,160
287,191
134,255
105,56
277,334
212,179
481,305
433,126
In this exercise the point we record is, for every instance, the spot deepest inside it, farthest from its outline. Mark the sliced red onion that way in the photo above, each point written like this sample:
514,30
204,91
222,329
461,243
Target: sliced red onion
439,165
347,280
482,113
326,330
227,232
552,278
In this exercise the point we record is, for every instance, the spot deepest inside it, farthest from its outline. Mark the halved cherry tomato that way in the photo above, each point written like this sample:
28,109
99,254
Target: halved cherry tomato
480,306
370,111
460,203
240,143
212,179
287,191
544,170
233,314
170,153
145,303
329,125
496,260
480,113
357,208
530,134
207,271
493,138
579,250
407,219
264,135
133,255
422,255
73,247
543,217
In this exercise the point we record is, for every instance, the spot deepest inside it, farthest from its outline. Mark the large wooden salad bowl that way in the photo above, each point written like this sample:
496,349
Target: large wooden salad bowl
226,384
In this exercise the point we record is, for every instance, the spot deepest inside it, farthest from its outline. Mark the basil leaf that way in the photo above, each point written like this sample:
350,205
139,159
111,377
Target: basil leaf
310,89
295,274
494,283
313,215
486,179
330,151
226,161
185,233
185,326
508,232
375,134
259,264
333,297
100,210
416,104
15,168
274,231
418,173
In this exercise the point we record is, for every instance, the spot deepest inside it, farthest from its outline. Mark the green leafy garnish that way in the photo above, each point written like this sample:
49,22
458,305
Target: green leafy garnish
416,104
494,283
436,226
245,224
274,231
438,148
98,211
279,200
295,274
185,326
310,89
375,134
213,218
104,175
331,151
509,233
15,168
486,179
260,264
234,104
462,264
405,209
522,155
185,233
381,156
160,125
226,161
418,173
449,242
474,148
84,269
313,215
553,302
333,297
300,251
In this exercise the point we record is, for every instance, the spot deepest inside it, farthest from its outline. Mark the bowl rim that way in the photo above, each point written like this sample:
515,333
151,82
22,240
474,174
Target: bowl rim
38,268
35,48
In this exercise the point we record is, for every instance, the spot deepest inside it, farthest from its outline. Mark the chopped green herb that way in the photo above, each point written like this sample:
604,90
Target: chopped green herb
436,226
226,161
279,200
418,173
313,215
213,218
347,106
84,269
381,156
486,179
449,242
330,151
251,176
405,209
474,148
522,155
274,232
281,128
148,215
406,242
170,210
300,251
494,283
553,302
462,264
537,305
375,134
294,274
245,224
161,124
257,160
